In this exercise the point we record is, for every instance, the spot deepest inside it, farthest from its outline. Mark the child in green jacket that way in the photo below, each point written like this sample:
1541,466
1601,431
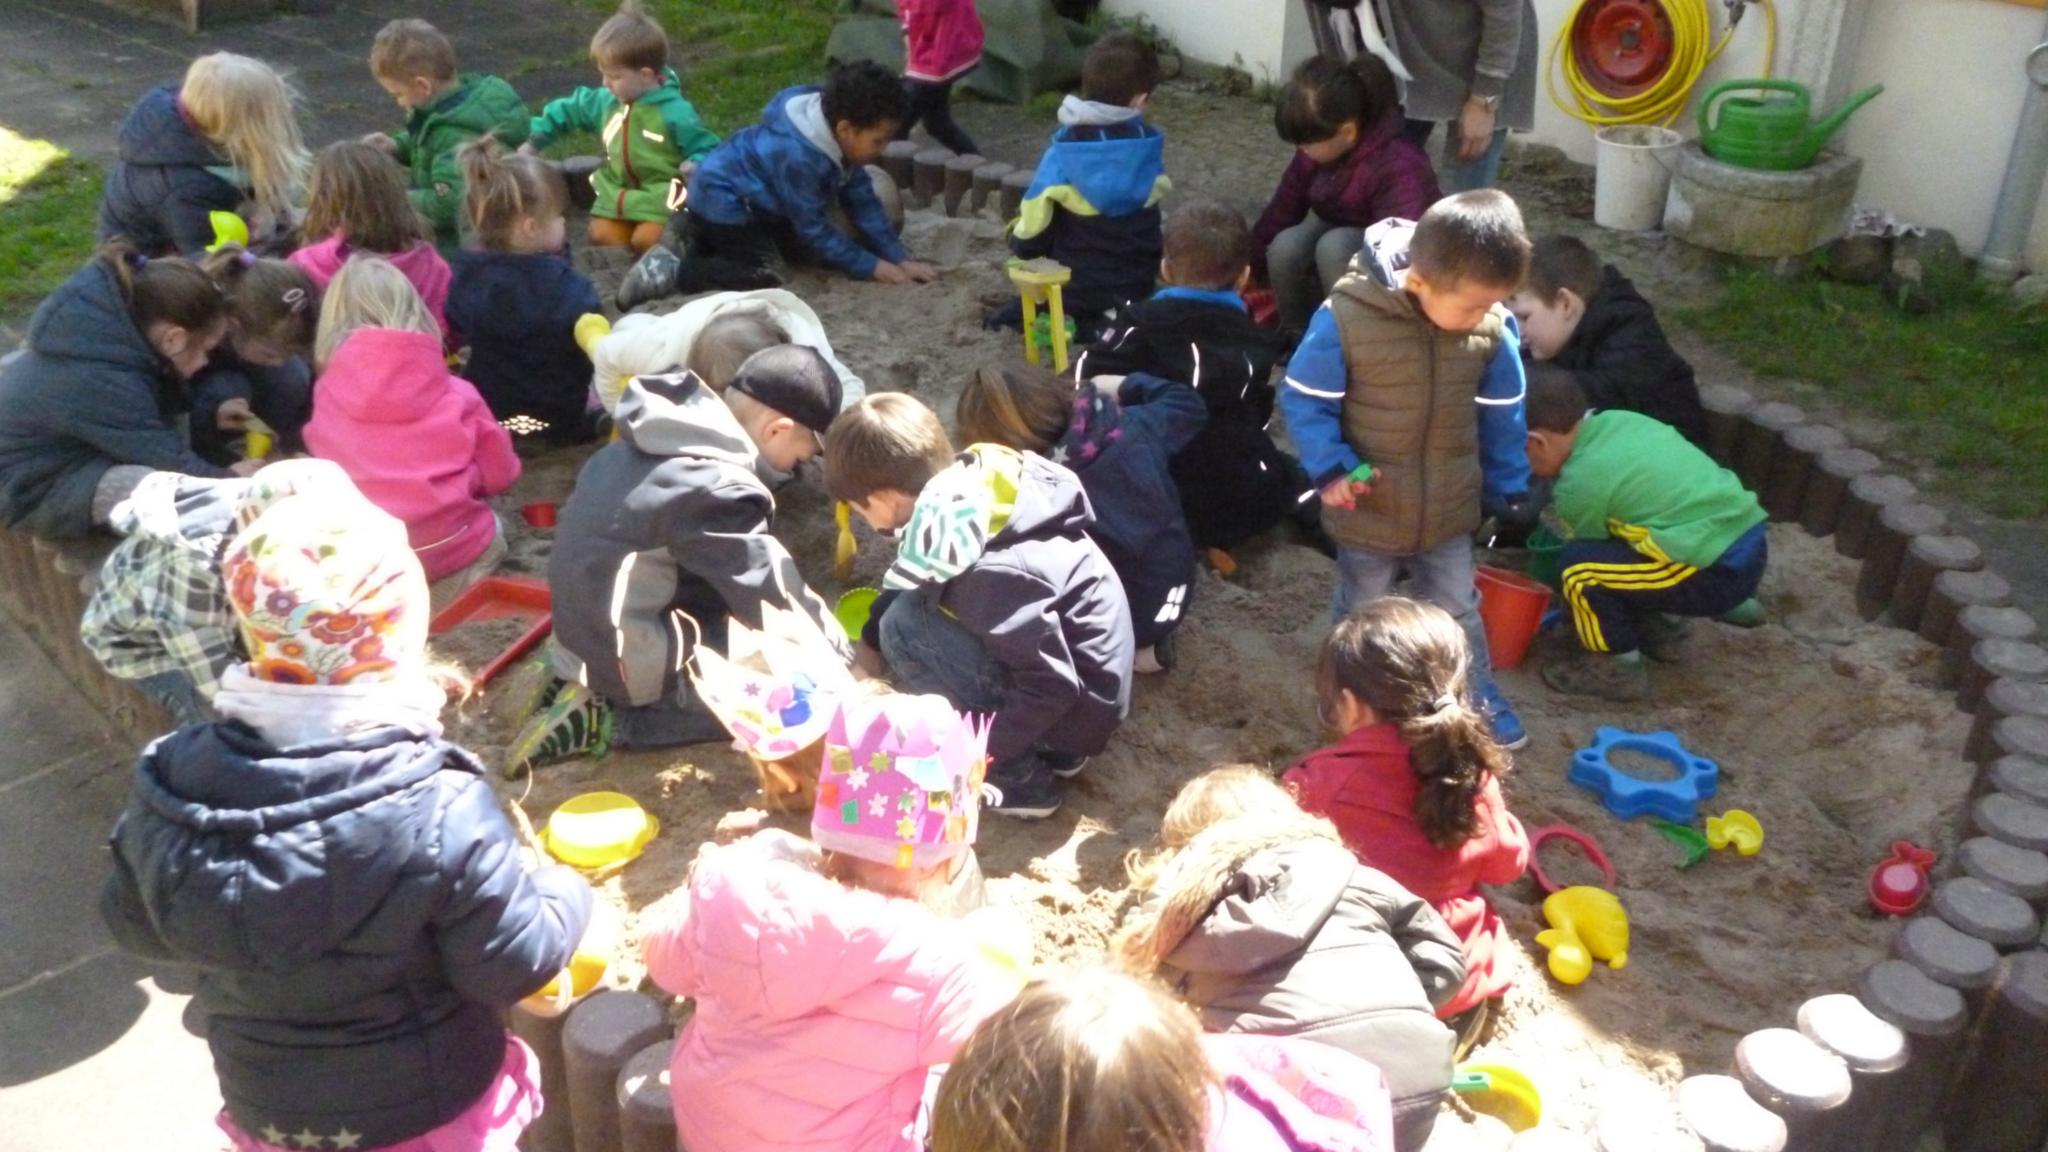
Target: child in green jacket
1654,528
415,65
649,130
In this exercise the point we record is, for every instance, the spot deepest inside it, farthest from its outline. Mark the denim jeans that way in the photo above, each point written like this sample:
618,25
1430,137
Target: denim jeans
1452,174
1443,576
927,651
1302,263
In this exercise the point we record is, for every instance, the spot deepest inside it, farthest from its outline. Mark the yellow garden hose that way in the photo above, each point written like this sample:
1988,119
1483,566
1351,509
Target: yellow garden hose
1693,48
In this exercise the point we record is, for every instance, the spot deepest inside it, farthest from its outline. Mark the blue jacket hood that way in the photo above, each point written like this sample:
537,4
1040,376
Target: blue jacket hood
245,881
156,132
86,318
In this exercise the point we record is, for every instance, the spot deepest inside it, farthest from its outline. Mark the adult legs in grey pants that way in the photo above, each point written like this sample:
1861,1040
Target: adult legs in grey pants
1303,261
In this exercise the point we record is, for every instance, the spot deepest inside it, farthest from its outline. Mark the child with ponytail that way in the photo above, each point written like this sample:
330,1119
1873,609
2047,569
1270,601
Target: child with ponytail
264,367
226,140
1117,434
358,203
518,301
1413,780
96,401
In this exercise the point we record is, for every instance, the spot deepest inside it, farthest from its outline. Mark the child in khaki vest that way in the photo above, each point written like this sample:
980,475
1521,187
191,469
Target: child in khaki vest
1413,369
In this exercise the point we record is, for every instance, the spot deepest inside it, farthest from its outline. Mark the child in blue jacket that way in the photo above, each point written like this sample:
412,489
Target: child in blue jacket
1413,368
1118,434
1093,204
354,995
765,196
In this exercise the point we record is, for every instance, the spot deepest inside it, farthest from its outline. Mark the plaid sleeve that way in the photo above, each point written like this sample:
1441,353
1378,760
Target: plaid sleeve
159,607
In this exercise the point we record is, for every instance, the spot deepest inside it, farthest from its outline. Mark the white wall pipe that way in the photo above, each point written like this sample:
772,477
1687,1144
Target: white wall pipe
2025,170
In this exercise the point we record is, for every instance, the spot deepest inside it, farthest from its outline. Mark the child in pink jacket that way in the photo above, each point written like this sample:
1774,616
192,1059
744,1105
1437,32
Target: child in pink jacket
826,988
358,206
941,43
419,442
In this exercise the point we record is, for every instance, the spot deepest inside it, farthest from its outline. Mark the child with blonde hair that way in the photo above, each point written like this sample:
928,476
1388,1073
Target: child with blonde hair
95,403
418,441
1257,916
1118,434
826,984
651,134
357,204
1412,782
1098,1061
355,997
518,301
444,110
263,370
226,140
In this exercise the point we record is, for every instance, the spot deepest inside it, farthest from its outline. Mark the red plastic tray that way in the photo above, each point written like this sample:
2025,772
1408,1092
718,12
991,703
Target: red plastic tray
494,598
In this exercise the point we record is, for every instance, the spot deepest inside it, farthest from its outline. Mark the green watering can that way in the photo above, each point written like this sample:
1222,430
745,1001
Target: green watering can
1774,133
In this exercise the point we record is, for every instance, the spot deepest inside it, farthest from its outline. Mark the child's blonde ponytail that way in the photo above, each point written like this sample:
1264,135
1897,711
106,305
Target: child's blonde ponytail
501,190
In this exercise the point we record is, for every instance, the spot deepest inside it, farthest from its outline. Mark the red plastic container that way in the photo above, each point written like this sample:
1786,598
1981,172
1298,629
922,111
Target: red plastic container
1512,605
540,514
1898,885
494,598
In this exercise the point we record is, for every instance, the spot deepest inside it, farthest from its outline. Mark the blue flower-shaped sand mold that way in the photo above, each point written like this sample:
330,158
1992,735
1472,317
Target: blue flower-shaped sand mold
1630,796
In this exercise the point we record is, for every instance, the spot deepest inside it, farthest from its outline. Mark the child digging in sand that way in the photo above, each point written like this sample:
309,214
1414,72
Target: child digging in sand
997,600
827,981
1117,435
1257,916
1654,528
1413,780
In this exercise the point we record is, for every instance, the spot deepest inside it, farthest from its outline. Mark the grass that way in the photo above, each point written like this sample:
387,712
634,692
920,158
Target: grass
49,204
1965,385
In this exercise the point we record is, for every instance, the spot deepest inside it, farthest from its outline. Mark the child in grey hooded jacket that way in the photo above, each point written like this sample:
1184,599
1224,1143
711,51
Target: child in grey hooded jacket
1256,914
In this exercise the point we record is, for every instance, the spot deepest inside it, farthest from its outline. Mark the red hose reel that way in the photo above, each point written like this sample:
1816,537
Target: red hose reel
1622,47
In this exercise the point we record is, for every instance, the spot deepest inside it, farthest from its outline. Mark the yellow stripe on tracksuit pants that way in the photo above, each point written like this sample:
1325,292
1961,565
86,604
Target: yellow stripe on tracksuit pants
1655,571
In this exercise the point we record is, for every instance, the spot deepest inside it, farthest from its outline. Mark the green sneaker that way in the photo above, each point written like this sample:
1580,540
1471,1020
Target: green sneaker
1623,679
1748,614
575,723
1664,637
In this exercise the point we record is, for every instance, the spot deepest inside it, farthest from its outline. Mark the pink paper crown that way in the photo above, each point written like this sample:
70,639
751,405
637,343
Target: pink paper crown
901,782
776,689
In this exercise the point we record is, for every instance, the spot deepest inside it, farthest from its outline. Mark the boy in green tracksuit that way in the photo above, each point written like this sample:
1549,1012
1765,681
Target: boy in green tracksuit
415,65
1655,529
649,130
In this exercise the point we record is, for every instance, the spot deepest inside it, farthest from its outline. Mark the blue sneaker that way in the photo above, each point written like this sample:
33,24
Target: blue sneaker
1507,727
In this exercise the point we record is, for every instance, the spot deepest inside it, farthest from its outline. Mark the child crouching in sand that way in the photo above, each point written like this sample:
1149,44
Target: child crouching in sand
1102,1062
826,984
1413,780
1256,915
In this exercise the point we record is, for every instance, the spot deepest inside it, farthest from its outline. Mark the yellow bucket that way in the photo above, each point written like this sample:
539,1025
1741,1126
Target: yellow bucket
598,829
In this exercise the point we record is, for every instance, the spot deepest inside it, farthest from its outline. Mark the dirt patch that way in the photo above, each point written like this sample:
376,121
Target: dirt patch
1829,729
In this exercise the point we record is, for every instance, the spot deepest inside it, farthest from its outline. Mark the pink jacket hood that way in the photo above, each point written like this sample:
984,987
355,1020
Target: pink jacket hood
819,1008
420,264
419,442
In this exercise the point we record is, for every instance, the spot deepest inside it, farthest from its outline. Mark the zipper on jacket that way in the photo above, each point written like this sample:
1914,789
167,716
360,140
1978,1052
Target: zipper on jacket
626,158
1428,420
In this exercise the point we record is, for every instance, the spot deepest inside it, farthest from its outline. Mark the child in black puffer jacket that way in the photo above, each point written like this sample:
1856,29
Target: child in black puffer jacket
341,876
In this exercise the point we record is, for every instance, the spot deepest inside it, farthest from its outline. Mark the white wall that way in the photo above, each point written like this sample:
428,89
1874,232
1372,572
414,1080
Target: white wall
1933,146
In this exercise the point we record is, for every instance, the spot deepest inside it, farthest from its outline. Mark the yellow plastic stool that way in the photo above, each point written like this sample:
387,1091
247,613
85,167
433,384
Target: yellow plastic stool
1041,281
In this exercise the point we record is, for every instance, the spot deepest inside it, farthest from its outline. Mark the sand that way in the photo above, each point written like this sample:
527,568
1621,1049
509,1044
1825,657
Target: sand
1829,729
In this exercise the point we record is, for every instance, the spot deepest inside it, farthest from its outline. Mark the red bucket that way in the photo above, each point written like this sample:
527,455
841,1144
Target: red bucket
1512,605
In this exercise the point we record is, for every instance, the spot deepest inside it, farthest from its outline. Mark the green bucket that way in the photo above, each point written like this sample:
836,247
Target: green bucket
854,608
1546,557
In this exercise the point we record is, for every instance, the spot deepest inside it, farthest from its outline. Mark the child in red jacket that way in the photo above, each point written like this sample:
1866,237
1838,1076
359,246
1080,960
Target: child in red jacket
1413,781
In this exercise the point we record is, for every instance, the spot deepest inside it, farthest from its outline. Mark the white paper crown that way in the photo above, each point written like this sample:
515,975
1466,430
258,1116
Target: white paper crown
775,690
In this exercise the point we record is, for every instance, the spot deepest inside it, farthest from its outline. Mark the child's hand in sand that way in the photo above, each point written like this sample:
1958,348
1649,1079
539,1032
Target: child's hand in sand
867,663
908,272
739,825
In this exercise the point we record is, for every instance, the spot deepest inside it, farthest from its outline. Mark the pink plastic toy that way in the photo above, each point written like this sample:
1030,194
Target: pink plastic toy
1586,845
1898,885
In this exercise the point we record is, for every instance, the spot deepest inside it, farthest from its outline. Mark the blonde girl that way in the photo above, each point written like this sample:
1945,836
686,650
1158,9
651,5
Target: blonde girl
225,141
357,203
517,300
1340,952
417,441
1099,1061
